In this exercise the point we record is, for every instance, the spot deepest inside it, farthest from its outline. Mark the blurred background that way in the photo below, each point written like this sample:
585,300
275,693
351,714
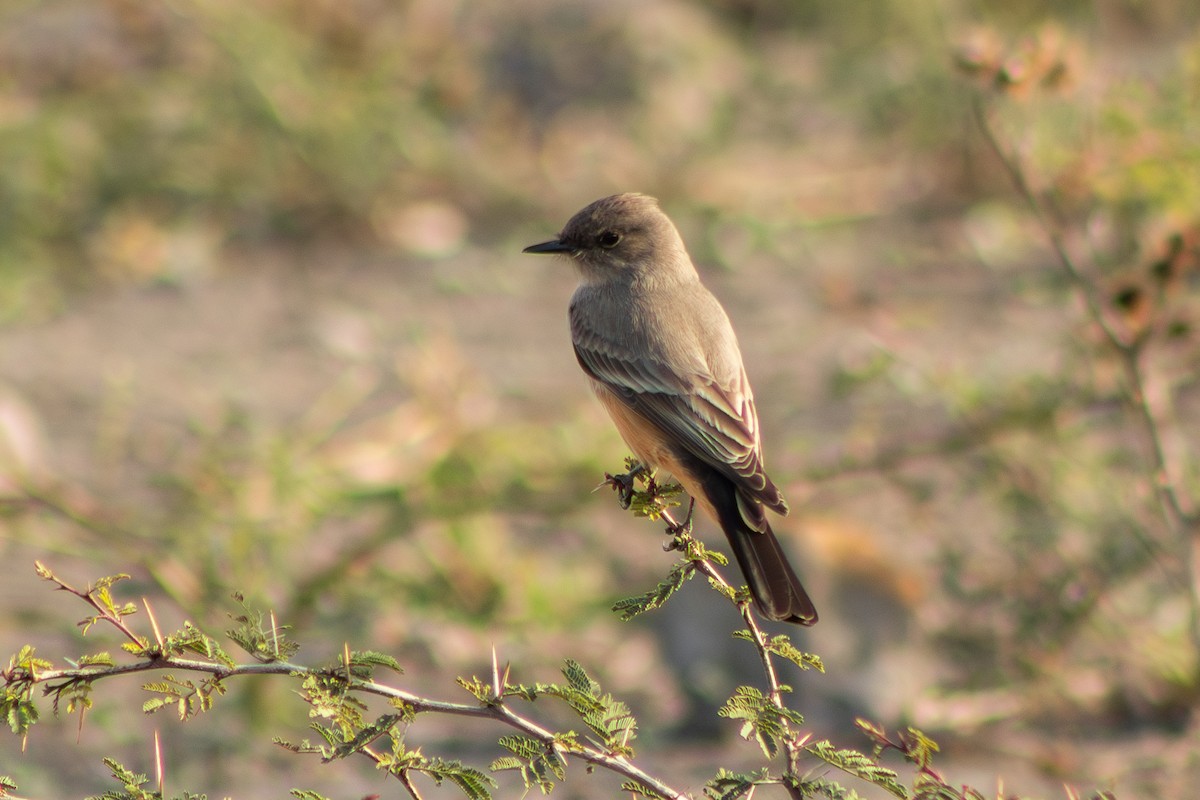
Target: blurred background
266,328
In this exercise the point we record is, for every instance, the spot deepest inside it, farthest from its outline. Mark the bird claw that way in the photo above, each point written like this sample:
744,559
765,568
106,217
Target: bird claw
677,529
623,485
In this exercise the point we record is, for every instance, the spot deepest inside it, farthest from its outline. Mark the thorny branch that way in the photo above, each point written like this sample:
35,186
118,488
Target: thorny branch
681,533
154,660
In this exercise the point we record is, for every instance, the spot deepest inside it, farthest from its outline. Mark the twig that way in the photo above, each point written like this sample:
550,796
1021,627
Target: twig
793,744
88,596
1048,221
497,711
409,786
1179,512
155,660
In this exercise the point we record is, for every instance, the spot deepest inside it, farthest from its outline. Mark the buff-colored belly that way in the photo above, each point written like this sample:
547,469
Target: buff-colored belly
648,444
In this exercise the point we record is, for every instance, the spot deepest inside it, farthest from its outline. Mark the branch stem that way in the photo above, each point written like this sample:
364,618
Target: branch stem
1179,512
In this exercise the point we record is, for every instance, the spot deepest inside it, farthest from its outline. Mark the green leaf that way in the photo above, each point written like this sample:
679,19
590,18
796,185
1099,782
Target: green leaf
631,607
608,717
332,738
305,746
366,661
20,678
919,748
538,764
473,783
188,697
130,781
19,712
932,787
260,636
25,662
140,649
578,679
857,764
76,690
655,499
365,736
133,785
96,660
522,746
190,639
827,788
103,584
470,781
782,646
78,697
482,690
641,790
729,785
762,720
155,703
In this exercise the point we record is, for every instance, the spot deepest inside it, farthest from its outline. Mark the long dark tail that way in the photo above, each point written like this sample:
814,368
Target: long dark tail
777,592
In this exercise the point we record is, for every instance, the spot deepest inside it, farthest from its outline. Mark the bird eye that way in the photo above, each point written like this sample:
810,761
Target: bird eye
608,239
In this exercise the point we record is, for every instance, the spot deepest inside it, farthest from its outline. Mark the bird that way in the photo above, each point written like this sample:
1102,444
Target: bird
661,356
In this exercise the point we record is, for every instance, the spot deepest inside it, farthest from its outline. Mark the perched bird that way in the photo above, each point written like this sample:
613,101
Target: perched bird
663,360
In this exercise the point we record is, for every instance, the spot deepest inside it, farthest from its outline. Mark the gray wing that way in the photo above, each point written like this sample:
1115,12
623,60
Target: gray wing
717,424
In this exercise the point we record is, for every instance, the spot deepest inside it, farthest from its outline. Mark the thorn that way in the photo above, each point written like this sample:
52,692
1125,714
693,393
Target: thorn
274,633
158,638
158,763
497,687
345,657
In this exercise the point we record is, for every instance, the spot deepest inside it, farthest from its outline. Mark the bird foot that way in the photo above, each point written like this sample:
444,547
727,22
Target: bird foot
677,529
623,484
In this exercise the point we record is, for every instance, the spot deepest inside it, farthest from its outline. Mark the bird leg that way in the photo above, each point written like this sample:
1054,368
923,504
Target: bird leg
623,484
679,528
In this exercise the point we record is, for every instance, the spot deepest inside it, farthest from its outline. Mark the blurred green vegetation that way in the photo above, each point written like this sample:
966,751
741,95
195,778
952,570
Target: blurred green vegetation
141,137
138,137
826,155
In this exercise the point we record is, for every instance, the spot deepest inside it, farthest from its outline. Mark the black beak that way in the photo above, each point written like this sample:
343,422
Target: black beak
552,246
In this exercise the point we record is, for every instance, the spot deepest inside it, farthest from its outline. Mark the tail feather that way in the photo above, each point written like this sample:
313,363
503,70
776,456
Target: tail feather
778,593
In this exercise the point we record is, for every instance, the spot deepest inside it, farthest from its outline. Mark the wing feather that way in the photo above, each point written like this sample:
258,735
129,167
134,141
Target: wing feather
718,424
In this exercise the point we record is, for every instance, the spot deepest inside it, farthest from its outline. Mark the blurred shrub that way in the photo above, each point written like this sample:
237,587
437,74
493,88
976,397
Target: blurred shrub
141,139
